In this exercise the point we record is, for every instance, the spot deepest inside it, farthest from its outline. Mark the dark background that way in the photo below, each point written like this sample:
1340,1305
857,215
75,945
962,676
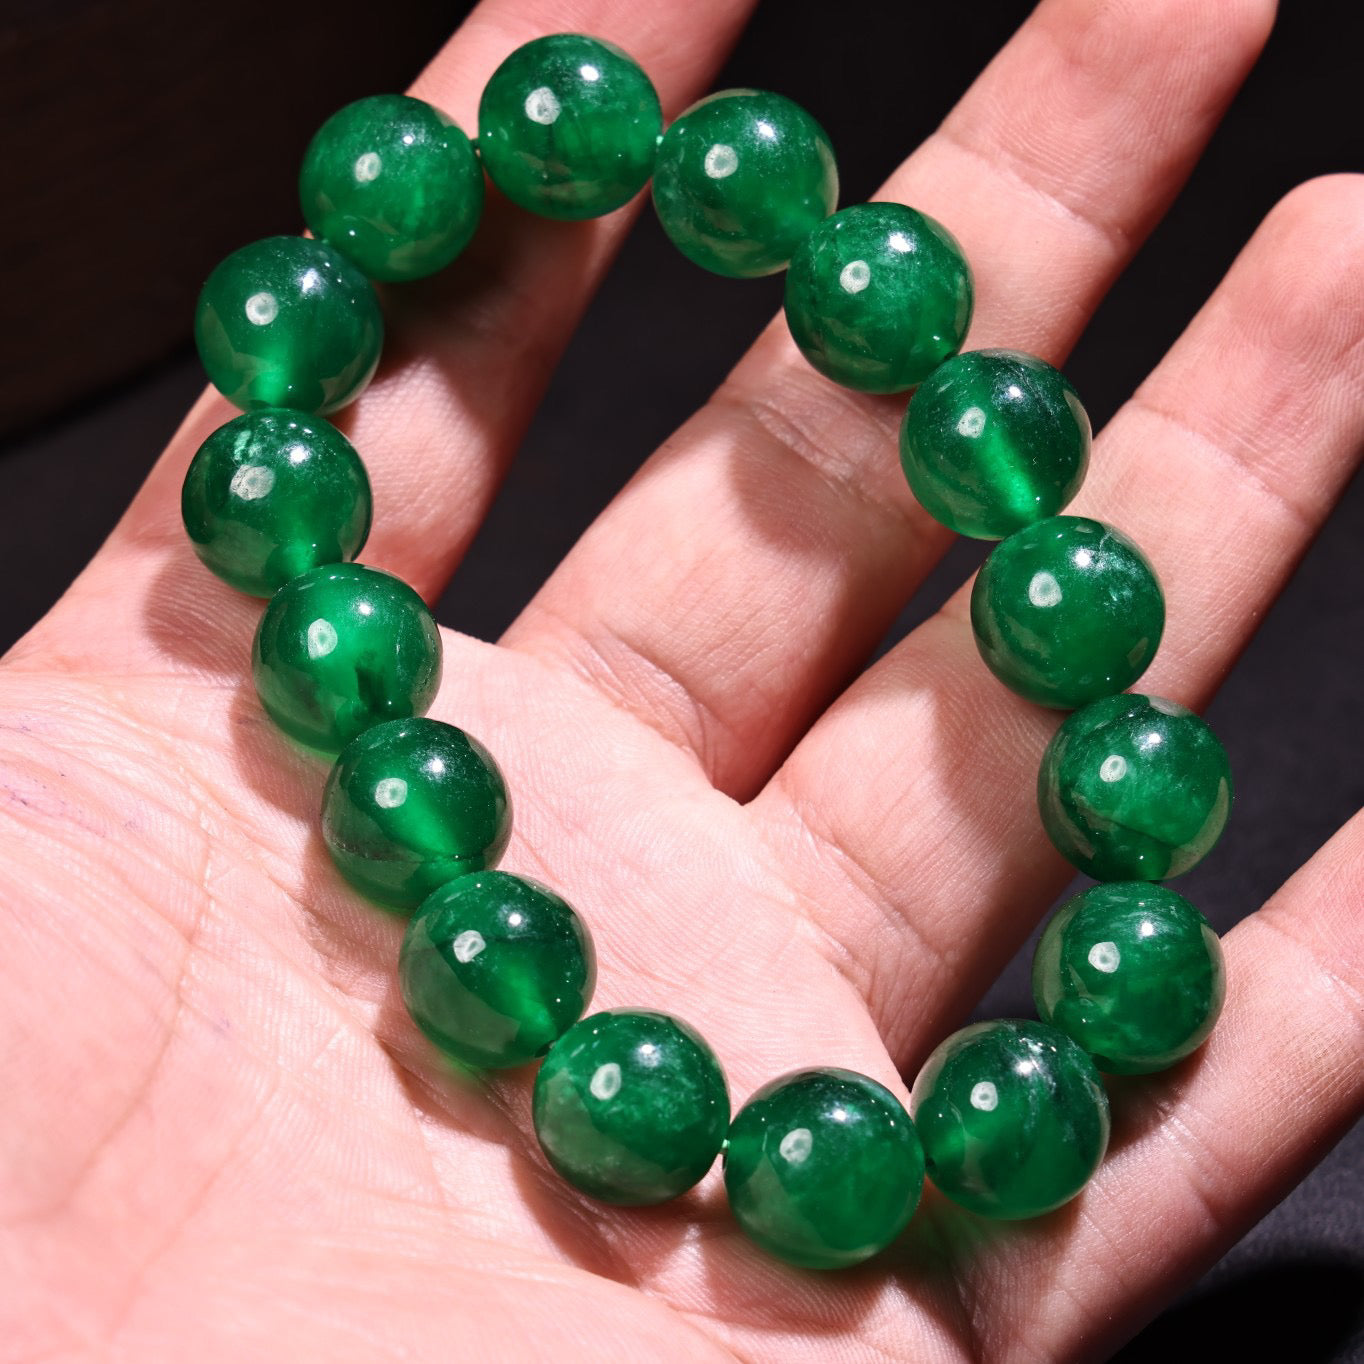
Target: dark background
145,140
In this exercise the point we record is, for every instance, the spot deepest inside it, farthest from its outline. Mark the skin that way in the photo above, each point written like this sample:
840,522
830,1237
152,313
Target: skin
222,1138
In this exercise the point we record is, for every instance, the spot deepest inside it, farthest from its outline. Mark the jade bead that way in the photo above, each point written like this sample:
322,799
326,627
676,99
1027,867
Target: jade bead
993,441
394,185
341,648
410,805
741,178
631,1106
1067,610
1134,788
272,494
568,126
823,1168
1133,973
494,968
877,296
288,322
1013,1118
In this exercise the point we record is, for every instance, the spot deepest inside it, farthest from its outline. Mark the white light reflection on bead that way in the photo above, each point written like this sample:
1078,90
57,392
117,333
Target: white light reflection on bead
262,309
367,167
1146,929
468,945
515,920
435,767
251,481
605,1082
796,1145
1044,590
1084,558
542,105
971,423
855,276
1113,768
1025,1068
897,241
408,139
1105,957
1153,738
721,160
321,638
1013,393
298,454
390,793
310,282
765,130
365,608
649,1054
985,1097
589,72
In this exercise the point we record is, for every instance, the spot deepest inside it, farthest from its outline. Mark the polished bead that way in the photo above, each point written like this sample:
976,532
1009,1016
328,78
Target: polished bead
1134,788
288,322
993,441
1067,610
630,1106
1013,1118
823,1168
341,648
392,184
568,126
877,296
494,968
272,494
741,178
411,804
1133,973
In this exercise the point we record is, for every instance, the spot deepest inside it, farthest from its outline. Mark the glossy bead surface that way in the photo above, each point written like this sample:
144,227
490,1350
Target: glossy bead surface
823,1168
495,967
1013,1118
411,804
1133,973
272,494
994,440
568,126
631,1106
342,648
1067,610
877,296
1134,788
288,322
392,184
741,178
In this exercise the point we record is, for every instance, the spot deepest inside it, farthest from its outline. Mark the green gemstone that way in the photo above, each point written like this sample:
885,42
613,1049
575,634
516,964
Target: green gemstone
288,322
993,441
631,1107
1013,1118
568,126
410,805
877,296
741,178
494,968
823,1168
394,185
1067,610
1133,972
1134,788
272,494
342,648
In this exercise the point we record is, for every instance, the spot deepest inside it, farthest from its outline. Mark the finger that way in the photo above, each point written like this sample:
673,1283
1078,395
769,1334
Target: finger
760,556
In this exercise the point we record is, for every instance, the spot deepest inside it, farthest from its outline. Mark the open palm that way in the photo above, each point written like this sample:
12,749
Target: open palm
222,1138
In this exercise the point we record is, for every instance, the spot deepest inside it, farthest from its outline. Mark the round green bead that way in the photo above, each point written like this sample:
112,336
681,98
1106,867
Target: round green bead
823,1168
410,805
494,968
877,296
1133,972
341,648
1067,610
1013,1118
993,441
288,322
741,178
568,126
631,1106
394,185
272,494
1134,788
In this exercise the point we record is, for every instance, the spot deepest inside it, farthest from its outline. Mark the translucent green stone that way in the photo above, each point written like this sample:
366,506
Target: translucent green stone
410,805
494,968
1133,972
342,648
288,322
631,1106
741,178
568,126
1067,610
1013,1118
993,441
877,296
1134,788
272,494
823,1168
394,185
